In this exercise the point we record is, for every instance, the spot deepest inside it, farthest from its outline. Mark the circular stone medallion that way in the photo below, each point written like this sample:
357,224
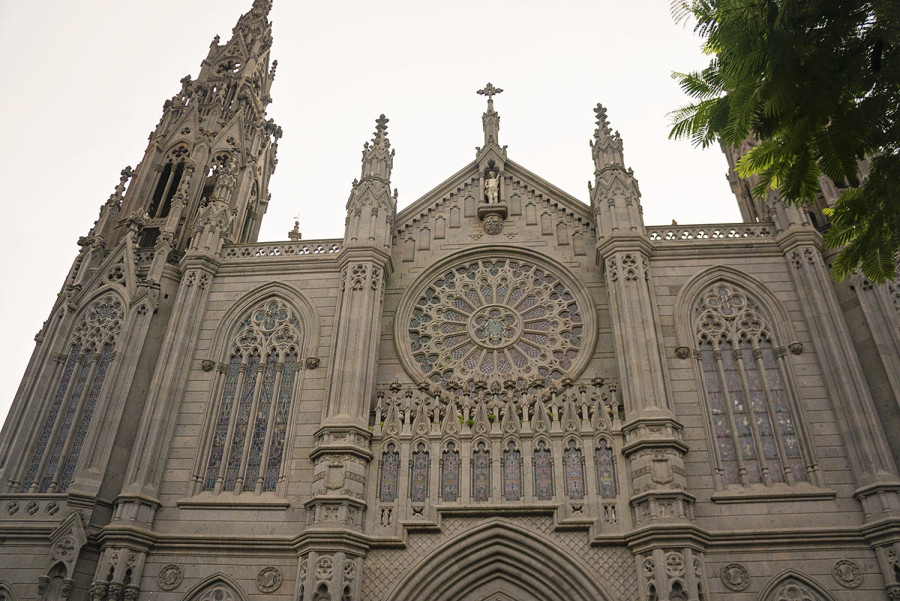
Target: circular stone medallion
170,577
847,573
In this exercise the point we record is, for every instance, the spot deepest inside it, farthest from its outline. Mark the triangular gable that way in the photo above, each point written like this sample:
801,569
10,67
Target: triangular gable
465,182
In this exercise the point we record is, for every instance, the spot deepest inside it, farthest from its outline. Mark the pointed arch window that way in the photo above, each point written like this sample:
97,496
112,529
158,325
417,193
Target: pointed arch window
606,470
168,181
574,471
481,472
248,440
512,473
77,390
418,488
543,472
745,374
450,474
390,474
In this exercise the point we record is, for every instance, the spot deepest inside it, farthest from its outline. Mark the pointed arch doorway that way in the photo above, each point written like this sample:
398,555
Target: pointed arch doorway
499,561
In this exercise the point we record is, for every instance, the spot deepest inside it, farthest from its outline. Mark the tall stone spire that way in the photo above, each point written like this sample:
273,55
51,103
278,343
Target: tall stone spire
371,207
219,114
615,196
378,158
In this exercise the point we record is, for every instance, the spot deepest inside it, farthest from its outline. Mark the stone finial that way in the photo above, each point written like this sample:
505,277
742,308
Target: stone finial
606,146
378,158
295,234
261,7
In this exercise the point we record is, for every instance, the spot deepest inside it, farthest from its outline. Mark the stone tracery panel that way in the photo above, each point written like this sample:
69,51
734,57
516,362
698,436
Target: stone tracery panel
495,319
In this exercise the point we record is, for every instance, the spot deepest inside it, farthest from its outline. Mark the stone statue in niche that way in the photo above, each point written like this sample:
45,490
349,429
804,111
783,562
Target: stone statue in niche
492,188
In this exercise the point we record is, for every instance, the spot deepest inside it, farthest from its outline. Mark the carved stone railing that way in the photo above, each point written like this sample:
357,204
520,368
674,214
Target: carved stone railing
554,449
283,249
710,233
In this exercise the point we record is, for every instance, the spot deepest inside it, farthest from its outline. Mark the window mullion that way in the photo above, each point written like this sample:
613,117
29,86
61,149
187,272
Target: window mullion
232,424
76,419
751,414
48,449
723,383
270,426
59,371
807,450
165,194
779,442
251,422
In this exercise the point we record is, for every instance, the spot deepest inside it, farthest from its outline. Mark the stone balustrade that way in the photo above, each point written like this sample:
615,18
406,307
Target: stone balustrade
284,249
707,232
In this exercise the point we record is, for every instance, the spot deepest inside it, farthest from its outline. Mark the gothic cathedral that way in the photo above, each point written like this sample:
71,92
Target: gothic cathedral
499,393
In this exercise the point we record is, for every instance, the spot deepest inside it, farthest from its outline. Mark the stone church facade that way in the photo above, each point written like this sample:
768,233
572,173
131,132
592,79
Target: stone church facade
498,393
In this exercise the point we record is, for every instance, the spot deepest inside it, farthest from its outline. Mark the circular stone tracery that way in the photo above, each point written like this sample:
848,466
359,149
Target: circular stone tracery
494,320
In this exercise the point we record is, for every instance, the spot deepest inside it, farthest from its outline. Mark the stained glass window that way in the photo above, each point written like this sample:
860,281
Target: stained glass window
481,473
606,470
248,440
450,474
512,473
543,473
279,426
65,426
574,471
390,474
221,431
748,402
418,489
494,319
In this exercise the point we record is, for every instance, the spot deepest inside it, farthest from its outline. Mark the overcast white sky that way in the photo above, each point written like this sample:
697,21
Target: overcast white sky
85,82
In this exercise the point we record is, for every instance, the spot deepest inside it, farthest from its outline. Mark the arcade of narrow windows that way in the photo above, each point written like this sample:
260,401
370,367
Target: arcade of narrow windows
512,472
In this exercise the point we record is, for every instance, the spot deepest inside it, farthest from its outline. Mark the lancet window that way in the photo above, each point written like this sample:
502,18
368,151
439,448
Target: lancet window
481,473
168,181
512,473
543,472
253,412
450,474
606,470
75,396
745,374
390,474
418,488
574,471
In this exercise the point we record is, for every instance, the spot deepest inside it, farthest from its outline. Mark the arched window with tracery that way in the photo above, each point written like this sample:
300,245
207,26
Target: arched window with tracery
745,372
260,380
75,396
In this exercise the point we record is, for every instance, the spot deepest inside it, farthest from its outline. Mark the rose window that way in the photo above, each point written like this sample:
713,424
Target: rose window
494,320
